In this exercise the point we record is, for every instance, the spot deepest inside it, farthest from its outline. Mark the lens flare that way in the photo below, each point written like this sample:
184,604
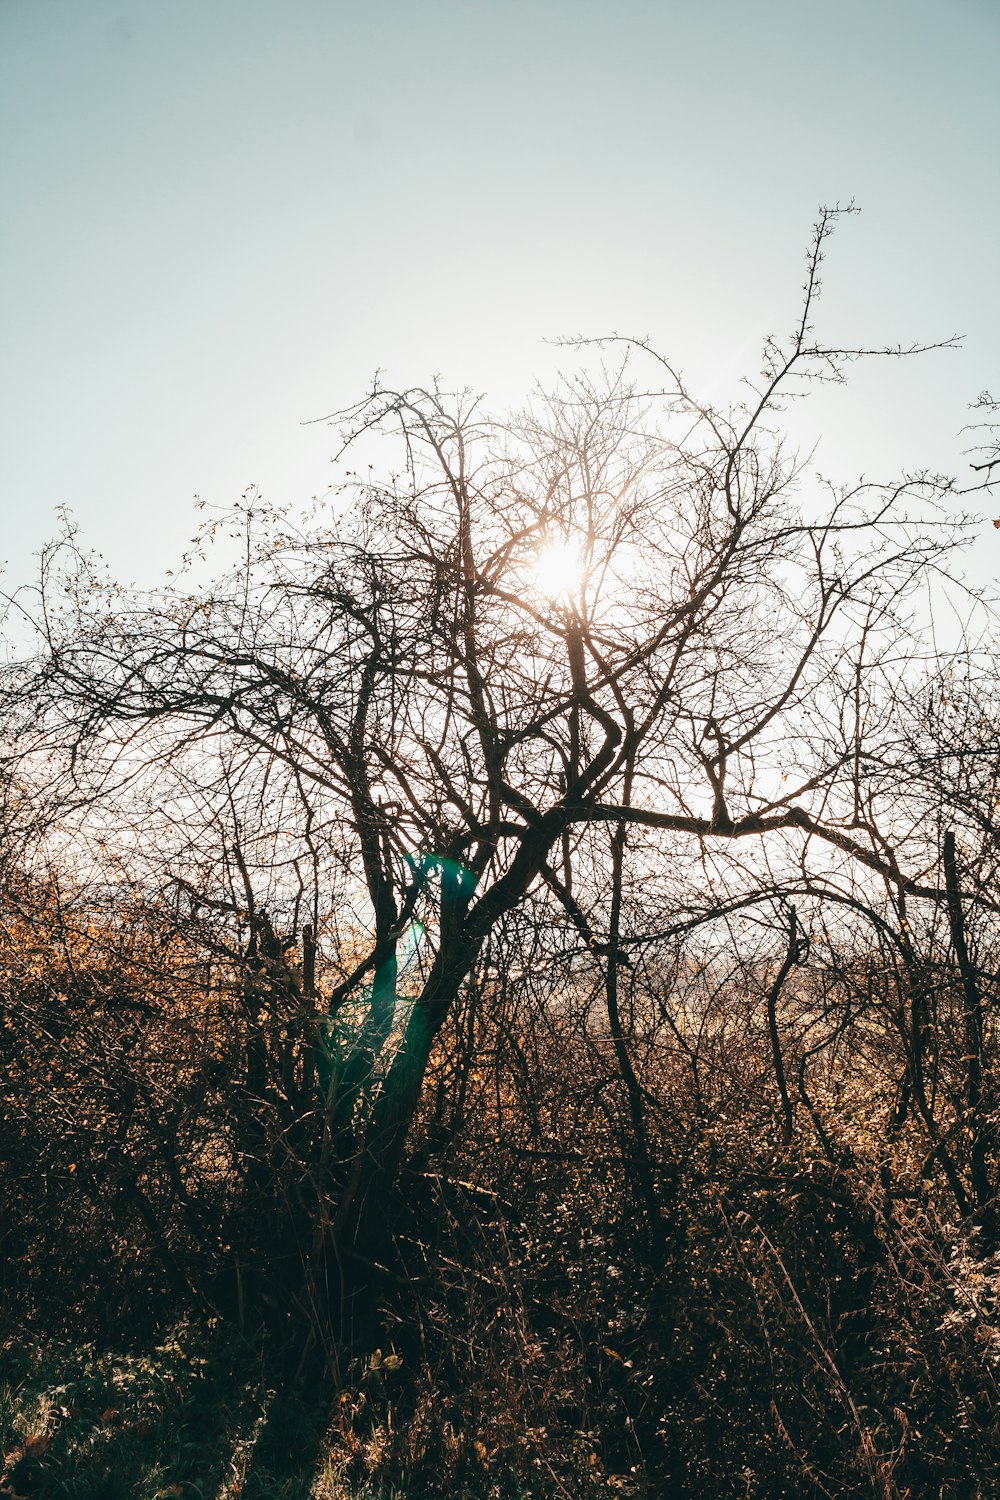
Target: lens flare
559,568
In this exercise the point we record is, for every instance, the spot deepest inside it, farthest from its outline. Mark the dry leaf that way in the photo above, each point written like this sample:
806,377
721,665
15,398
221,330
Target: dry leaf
36,1444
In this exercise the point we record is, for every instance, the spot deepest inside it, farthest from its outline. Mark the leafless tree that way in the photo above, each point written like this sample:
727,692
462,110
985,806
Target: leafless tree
621,660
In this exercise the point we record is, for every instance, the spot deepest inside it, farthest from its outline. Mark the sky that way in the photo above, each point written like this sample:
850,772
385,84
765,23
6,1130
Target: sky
220,217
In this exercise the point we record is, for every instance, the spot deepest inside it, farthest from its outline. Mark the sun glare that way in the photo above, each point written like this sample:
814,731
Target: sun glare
559,568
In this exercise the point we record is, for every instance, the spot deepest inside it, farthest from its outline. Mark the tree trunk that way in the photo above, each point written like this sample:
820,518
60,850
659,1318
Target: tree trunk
777,1061
973,1017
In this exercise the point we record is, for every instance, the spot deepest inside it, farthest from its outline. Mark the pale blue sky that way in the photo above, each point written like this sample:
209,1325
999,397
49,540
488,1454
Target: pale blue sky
220,216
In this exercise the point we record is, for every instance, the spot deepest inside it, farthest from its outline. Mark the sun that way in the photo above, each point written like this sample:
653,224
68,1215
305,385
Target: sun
559,568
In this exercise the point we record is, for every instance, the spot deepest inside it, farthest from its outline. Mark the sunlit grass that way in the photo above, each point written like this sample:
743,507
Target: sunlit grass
193,1417
183,1419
